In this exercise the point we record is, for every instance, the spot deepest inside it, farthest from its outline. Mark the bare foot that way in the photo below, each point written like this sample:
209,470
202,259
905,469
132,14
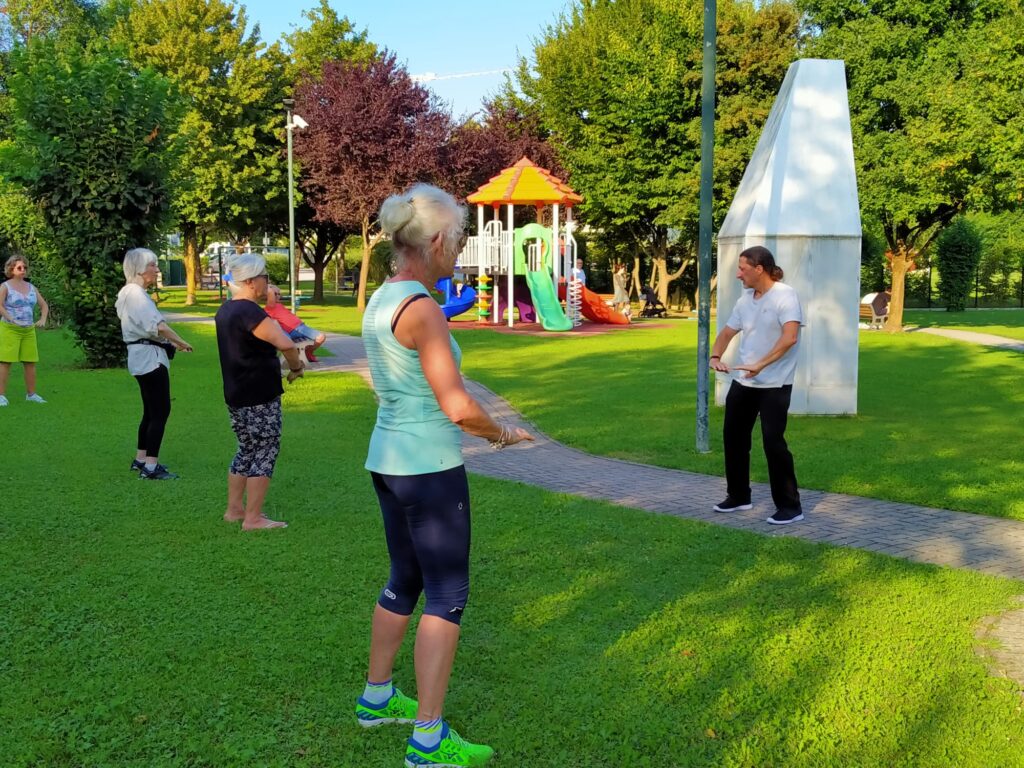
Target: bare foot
263,522
233,516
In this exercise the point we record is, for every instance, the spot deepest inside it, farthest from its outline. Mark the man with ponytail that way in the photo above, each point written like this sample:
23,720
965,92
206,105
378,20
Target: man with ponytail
769,317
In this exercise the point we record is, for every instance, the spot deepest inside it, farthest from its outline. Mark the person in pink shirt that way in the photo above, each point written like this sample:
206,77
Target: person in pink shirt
290,323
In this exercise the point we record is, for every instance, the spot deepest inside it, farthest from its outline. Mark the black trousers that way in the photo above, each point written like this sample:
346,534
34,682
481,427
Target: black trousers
742,407
156,408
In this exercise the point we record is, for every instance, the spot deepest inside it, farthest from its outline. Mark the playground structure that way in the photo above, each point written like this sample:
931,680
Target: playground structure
499,254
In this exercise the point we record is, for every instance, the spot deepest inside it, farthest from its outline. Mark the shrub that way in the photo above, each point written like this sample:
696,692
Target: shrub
277,269
958,251
89,150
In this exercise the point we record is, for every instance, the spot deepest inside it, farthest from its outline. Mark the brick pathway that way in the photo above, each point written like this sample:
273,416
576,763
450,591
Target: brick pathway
987,544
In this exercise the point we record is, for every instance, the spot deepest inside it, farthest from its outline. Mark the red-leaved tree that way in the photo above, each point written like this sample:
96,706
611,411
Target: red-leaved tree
481,148
372,132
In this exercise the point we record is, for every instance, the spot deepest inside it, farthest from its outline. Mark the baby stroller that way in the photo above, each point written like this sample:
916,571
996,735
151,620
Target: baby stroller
652,304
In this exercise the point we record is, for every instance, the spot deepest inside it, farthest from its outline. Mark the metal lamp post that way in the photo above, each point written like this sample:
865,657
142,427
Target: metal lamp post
707,145
294,121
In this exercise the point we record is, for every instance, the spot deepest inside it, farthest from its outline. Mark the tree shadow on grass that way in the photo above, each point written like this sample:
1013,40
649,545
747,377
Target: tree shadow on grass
711,647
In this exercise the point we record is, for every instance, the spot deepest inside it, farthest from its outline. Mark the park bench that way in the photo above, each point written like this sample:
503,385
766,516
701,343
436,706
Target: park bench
868,316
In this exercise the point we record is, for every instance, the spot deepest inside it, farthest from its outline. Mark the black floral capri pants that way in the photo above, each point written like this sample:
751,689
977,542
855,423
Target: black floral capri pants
258,429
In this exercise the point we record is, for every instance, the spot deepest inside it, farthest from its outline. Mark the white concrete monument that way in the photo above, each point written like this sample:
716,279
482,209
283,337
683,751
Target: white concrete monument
798,198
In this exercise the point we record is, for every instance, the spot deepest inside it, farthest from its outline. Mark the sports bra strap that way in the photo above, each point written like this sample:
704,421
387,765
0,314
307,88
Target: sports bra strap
401,309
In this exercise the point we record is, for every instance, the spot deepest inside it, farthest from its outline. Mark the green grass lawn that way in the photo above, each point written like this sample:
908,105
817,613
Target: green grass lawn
938,421
1001,322
138,629
337,313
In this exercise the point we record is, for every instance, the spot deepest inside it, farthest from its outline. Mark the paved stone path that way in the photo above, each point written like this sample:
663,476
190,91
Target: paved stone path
986,339
987,544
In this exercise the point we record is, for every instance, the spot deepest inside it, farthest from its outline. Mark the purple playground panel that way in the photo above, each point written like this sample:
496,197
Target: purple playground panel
521,296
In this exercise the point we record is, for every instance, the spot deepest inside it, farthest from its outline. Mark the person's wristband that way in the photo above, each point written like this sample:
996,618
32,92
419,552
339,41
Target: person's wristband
295,370
716,357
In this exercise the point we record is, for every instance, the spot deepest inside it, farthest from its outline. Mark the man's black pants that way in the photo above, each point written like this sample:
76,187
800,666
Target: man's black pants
742,407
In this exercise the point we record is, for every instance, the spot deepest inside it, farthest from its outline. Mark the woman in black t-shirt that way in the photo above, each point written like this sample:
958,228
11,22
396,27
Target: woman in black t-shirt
248,342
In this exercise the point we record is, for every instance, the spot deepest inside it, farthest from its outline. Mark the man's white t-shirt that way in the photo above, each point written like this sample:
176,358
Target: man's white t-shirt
760,322
579,274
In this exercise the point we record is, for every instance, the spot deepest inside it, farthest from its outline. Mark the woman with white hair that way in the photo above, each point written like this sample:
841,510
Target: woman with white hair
151,343
415,461
248,341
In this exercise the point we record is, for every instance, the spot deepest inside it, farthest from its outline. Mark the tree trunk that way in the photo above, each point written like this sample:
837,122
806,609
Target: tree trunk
902,261
634,284
190,235
665,279
369,241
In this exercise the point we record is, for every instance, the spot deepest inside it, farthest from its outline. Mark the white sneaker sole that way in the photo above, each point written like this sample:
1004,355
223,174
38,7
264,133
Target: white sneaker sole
740,508
773,521
384,721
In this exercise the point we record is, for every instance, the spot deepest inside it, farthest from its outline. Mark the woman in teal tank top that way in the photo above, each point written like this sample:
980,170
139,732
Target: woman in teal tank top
415,461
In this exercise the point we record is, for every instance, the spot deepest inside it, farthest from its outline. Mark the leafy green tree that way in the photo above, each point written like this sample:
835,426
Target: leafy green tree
23,21
1002,258
328,37
937,105
231,175
618,85
959,251
91,150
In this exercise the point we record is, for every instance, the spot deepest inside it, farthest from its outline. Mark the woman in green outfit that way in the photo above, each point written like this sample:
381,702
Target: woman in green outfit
415,460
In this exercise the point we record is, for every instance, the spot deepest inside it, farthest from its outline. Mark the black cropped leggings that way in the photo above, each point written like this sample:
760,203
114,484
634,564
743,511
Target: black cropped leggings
156,408
426,523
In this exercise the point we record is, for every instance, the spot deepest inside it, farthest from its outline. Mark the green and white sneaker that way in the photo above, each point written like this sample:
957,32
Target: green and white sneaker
398,709
453,752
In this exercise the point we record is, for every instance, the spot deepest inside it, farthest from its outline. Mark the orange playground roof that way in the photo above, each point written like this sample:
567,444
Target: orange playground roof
525,184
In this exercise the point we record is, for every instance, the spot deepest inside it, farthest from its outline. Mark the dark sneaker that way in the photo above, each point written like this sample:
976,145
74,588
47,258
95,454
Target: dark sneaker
160,472
786,516
731,505
137,466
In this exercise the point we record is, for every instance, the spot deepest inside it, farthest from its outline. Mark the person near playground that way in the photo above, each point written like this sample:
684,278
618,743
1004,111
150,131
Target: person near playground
18,300
768,316
620,300
577,272
149,339
248,341
415,462
297,330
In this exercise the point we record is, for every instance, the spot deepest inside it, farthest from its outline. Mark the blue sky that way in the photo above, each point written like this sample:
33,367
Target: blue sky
464,37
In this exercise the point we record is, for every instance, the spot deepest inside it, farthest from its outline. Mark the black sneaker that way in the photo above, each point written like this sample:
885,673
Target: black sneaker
160,472
731,505
137,466
786,516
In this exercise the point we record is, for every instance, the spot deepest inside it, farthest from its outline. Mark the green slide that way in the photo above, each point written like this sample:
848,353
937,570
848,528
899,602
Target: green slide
542,290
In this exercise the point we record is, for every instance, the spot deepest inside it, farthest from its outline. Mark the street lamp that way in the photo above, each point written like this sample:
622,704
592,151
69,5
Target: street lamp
707,145
294,121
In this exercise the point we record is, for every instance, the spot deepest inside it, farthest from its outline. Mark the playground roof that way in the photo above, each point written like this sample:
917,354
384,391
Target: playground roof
525,183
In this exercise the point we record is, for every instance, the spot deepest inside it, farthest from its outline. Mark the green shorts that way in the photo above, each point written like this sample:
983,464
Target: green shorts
18,344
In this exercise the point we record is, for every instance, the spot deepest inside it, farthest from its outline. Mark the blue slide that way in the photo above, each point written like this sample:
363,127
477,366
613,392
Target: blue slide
455,305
